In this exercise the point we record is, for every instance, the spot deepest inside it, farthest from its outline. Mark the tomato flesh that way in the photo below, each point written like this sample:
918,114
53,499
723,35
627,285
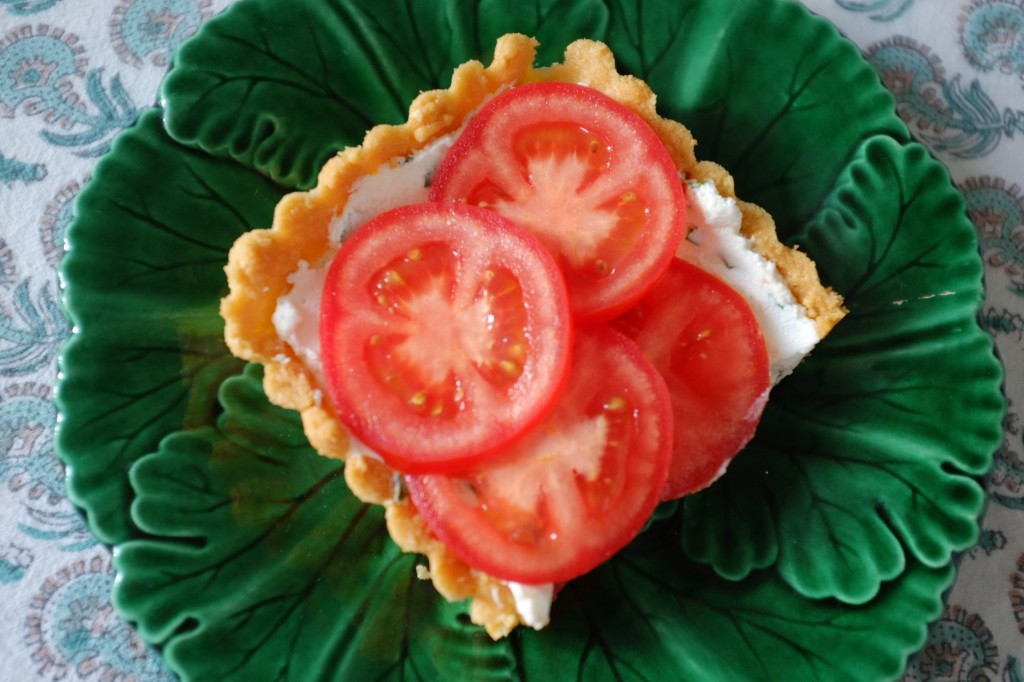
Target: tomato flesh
703,338
576,488
445,333
584,174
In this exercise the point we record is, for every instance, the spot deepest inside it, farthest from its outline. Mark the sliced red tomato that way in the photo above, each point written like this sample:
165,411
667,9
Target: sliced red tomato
445,333
703,338
574,490
586,175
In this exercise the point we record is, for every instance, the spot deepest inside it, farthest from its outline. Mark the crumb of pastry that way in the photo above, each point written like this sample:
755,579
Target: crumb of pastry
261,261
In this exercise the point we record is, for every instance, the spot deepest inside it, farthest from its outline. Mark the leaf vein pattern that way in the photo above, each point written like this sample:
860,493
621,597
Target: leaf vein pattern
795,93
213,195
266,52
213,569
153,270
300,597
147,216
597,642
365,45
820,505
746,620
877,259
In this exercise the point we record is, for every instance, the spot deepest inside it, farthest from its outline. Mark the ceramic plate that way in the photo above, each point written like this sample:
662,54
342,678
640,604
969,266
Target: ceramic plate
822,554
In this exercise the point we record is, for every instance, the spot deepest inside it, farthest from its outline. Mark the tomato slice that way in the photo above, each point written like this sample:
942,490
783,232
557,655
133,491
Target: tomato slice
445,333
575,489
703,338
586,175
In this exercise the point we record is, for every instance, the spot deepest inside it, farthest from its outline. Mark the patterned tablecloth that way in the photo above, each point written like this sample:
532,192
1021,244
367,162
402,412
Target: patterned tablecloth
75,72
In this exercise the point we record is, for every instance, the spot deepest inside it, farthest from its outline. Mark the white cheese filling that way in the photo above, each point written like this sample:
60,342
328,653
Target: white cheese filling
390,187
533,603
297,315
714,243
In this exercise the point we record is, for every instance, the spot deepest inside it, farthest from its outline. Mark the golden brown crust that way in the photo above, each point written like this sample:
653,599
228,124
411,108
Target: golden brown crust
823,305
261,261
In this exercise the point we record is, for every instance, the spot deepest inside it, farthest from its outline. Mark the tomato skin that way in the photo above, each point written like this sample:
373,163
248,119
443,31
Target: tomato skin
445,333
573,491
703,338
586,175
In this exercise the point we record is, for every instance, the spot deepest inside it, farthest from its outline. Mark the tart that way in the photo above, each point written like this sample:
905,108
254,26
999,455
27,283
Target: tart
267,266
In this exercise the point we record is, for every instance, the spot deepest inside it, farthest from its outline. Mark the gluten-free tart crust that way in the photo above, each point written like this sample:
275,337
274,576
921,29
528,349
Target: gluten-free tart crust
262,260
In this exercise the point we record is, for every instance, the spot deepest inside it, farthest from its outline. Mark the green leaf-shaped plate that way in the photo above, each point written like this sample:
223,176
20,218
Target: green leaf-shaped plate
857,490
142,279
264,567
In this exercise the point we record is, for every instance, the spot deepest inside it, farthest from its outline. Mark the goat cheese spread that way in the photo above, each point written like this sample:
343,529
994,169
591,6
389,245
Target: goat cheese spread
715,244
533,603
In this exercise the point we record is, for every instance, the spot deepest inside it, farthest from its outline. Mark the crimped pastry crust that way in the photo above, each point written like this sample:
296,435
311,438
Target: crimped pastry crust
261,261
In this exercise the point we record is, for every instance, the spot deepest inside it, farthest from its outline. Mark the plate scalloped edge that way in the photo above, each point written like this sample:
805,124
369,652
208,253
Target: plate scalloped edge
104,504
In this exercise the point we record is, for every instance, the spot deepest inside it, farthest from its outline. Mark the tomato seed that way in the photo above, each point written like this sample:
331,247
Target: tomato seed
616,404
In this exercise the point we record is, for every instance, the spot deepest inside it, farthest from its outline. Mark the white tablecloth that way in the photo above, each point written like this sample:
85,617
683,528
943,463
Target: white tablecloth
75,72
